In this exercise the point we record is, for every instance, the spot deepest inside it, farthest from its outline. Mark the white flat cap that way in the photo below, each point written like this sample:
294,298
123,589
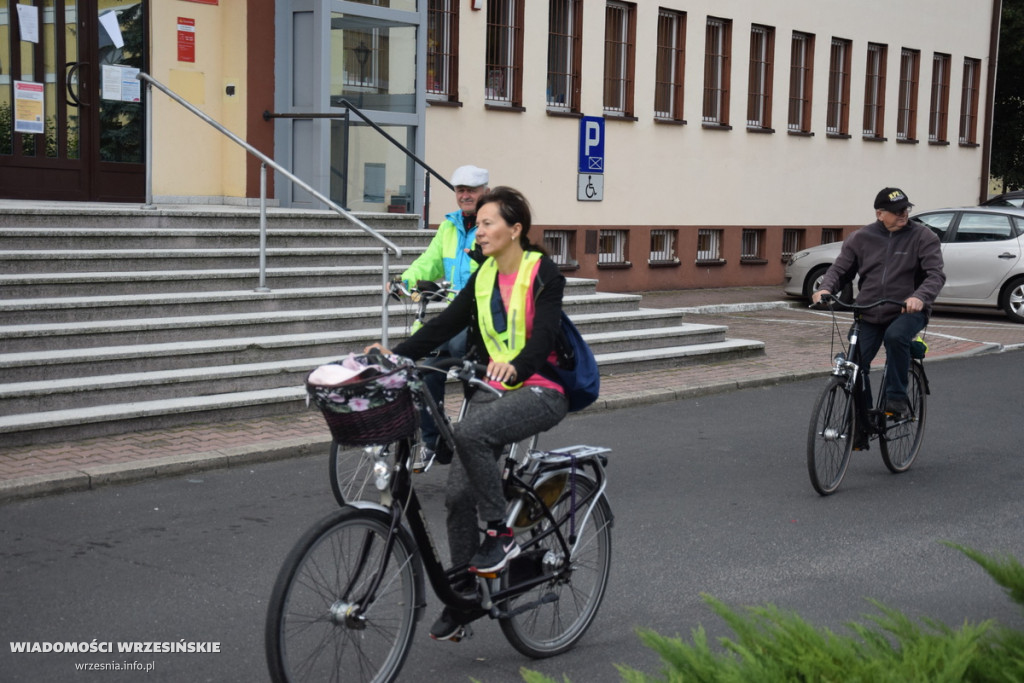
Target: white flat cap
470,176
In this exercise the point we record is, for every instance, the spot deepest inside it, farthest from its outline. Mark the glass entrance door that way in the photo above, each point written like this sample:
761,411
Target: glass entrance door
71,112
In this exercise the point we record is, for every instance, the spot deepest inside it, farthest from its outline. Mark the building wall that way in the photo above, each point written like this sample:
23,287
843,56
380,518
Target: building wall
687,176
192,161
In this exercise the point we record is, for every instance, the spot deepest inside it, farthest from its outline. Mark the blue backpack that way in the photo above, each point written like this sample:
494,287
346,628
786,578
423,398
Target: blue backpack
577,369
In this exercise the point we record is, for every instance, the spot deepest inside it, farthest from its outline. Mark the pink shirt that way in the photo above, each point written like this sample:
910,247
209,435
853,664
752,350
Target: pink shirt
505,283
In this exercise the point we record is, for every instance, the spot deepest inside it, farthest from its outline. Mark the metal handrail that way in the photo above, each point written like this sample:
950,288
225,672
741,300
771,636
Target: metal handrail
388,245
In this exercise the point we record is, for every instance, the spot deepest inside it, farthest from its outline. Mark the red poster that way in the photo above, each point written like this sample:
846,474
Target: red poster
186,40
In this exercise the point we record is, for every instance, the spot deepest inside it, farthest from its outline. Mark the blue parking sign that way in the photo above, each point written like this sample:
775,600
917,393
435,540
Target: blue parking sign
591,144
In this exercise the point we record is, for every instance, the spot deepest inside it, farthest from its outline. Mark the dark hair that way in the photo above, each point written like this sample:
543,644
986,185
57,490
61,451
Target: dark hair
514,208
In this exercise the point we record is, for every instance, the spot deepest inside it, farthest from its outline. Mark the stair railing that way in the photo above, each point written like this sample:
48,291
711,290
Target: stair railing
388,247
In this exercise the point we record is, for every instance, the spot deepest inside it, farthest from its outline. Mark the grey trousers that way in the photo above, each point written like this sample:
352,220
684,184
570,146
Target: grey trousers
474,478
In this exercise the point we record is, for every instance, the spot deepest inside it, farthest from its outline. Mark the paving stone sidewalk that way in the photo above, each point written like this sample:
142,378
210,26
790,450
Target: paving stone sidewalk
798,344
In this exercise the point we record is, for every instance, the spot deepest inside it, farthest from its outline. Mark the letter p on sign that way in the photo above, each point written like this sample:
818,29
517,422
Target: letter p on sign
591,144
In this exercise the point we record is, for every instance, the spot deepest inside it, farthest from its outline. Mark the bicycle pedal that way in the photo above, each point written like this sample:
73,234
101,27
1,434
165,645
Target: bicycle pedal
463,632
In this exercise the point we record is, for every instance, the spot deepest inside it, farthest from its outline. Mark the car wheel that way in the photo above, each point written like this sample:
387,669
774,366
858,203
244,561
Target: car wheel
813,284
1012,300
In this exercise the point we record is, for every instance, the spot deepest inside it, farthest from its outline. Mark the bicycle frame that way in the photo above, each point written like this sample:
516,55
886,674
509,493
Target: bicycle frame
400,500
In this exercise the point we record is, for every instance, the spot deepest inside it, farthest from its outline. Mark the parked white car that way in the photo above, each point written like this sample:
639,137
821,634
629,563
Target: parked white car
981,253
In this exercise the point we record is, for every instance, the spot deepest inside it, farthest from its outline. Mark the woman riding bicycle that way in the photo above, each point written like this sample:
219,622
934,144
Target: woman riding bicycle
512,305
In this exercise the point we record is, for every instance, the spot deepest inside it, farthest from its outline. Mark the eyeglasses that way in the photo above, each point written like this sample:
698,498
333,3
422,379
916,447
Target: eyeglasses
905,211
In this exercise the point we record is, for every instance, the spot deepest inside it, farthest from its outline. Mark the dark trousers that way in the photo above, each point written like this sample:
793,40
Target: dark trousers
896,336
453,348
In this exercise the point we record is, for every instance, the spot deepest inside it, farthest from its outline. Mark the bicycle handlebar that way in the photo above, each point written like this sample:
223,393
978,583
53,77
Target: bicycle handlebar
469,372
833,300
424,290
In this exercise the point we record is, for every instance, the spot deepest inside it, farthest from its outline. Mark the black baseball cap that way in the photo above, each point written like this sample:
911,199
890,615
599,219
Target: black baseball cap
892,199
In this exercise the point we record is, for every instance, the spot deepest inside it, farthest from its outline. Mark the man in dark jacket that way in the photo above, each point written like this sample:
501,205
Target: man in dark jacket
895,258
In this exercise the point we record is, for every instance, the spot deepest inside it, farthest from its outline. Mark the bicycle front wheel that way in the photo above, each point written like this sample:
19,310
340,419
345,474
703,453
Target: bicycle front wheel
830,437
562,610
901,441
351,471
316,630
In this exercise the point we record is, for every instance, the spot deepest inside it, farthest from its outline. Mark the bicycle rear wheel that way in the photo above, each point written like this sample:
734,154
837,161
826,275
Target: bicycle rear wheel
901,441
562,609
830,437
315,631
351,472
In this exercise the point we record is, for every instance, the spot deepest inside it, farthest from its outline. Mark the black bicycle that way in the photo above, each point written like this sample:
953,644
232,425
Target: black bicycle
350,470
842,419
349,595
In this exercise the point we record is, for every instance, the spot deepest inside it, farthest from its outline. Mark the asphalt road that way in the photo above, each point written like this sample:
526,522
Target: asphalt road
711,495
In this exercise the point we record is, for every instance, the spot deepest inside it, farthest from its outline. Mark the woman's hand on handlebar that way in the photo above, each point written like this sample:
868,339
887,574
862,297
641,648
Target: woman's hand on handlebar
501,372
378,348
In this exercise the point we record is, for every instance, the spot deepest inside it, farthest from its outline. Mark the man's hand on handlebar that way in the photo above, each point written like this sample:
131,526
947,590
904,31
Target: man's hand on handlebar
913,305
817,297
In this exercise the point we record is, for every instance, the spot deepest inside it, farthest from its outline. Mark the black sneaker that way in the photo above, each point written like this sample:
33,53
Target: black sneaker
497,549
861,441
447,627
897,408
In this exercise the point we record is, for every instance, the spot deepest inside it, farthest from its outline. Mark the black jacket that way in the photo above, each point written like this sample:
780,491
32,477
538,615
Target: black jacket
548,288
890,265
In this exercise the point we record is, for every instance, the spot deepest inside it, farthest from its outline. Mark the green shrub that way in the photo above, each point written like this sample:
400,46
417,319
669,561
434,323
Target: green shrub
770,644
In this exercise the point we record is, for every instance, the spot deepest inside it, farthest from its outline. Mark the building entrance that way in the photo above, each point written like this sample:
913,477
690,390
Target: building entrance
72,113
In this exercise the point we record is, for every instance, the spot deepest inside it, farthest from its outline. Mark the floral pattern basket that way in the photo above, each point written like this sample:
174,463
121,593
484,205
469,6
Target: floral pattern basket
374,405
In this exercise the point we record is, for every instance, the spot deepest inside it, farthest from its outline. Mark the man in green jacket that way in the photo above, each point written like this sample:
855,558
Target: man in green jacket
448,258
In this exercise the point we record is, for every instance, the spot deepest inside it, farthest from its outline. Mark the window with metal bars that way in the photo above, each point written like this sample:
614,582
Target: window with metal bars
565,28
874,91
837,118
504,66
830,235
709,244
792,242
752,246
559,244
969,102
668,74
801,80
906,115
619,49
663,247
938,114
442,50
759,90
611,247
717,52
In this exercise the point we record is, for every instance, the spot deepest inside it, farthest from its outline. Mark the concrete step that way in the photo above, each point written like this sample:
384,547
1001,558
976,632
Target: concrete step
93,334
51,285
132,306
91,239
215,403
14,262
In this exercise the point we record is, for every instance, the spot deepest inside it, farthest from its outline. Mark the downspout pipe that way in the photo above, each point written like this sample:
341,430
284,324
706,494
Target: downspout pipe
990,100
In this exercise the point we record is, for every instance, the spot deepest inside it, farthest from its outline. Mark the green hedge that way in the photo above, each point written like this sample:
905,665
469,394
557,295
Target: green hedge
770,644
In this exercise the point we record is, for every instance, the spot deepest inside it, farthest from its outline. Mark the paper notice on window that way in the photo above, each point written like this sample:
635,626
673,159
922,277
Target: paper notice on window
109,23
28,107
121,83
28,20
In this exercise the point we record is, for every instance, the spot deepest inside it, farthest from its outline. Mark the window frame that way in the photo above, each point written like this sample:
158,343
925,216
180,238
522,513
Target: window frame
801,82
561,246
670,65
906,113
873,127
837,115
619,60
760,77
792,242
443,16
504,42
970,93
618,256
717,68
668,253
711,240
571,59
938,115
752,245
